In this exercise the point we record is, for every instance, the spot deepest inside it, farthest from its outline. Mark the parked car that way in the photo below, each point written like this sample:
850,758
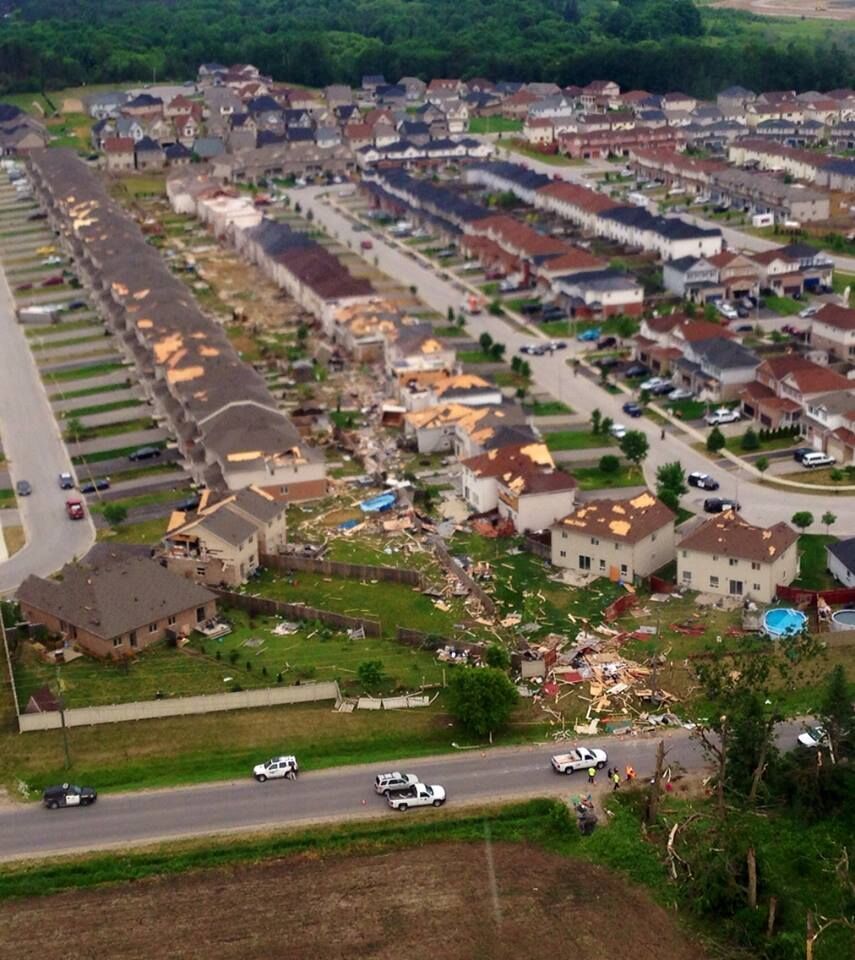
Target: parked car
387,783
551,313
808,312
419,795
618,431
796,332
812,737
101,483
743,312
188,503
608,363
68,795
581,758
635,370
722,415
277,768
554,345
66,481
590,335
74,510
817,459
743,328
719,505
801,452
366,245
145,453
702,480
680,393
533,349
653,382
632,409
662,389
23,488
77,305
606,343
726,310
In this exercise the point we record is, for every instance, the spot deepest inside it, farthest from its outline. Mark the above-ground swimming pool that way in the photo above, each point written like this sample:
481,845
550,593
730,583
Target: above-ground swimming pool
783,621
843,620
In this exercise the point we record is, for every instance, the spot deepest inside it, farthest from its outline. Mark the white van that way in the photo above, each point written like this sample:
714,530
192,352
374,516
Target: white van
763,220
817,459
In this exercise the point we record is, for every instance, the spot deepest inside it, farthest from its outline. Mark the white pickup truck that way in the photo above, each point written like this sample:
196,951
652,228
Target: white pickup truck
419,795
579,759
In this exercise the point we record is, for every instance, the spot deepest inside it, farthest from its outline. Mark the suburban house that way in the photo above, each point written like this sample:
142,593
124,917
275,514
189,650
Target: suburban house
784,387
522,482
600,293
618,539
464,429
432,388
730,557
832,328
119,154
662,341
116,609
716,369
224,542
840,561
829,424
794,269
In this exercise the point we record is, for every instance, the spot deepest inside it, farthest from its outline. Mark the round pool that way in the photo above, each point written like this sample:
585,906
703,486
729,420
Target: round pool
843,620
784,621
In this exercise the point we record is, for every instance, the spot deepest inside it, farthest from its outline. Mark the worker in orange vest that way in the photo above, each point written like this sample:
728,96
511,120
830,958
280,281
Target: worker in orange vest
630,773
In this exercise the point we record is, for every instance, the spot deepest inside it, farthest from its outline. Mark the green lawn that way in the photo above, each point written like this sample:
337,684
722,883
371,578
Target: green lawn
494,125
67,342
841,281
813,574
592,478
113,454
144,499
113,429
785,306
7,497
577,440
101,408
549,408
687,409
476,356
553,159
556,328
49,328
451,332
84,373
89,391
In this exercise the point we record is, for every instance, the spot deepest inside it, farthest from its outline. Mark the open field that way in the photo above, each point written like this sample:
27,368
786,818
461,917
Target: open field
809,9
415,902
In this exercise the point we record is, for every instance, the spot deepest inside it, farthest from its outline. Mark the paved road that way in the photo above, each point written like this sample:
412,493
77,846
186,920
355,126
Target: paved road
35,452
551,374
339,794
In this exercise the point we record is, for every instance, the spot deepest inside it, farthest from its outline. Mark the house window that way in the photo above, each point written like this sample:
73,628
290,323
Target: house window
714,583
284,488
735,588
595,542
132,636
562,553
602,565
756,588
624,570
687,576
584,562
200,614
653,537
152,628
72,631
755,566
733,561
563,534
117,641
685,554
715,558
171,620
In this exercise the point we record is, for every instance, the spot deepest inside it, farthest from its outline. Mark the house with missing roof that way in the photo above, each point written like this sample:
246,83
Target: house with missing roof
118,608
222,544
521,482
619,539
730,557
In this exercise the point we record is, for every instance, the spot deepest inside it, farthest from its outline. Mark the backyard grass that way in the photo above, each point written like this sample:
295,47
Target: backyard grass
84,373
476,356
549,408
577,440
553,159
451,332
146,531
144,499
687,409
89,391
67,341
494,125
114,453
785,306
140,185
509,378
556,328
49,328
113,429
813,574
592,478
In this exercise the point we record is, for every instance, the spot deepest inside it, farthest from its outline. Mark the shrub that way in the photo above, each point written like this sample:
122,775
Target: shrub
609,464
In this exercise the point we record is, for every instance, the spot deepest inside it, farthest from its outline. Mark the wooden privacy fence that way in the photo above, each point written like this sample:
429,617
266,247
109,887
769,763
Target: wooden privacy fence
454,568
181,706
262,606
798,595
619,606
337,568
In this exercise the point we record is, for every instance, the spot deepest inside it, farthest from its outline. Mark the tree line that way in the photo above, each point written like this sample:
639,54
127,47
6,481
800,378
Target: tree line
657,45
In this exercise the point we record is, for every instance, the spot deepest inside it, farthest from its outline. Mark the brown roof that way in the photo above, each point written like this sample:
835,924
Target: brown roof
119,145
42,700
627,521
732,536
583,197
770,256
842,318
115,599
694,330
817,379
496,463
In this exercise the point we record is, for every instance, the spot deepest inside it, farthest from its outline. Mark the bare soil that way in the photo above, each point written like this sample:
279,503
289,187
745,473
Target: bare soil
437,901
810,9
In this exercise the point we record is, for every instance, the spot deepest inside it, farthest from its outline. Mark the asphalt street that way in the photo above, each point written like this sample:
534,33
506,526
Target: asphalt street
552,374
344,793
35,452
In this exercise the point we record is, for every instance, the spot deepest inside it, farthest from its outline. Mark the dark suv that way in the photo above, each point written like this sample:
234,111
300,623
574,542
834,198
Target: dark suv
145,453
68,795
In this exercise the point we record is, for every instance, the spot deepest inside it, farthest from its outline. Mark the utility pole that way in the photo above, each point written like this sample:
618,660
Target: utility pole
61,701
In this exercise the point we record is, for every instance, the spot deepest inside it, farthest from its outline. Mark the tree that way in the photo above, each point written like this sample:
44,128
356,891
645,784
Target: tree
837,714
828,520
370,673
516,360
715,440
802,519
762,464
482,700
609,464
749,440
485,341
596,421
497,351
635,446
497,656
450,314
625,326
606,425
671,483
710,313
115,514
74,429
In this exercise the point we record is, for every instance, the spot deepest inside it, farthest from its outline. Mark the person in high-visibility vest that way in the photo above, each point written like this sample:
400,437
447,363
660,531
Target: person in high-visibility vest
592,775
630,773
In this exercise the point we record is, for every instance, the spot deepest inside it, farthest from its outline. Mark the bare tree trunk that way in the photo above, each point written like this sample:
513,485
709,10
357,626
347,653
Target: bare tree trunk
770,923
655,791
722,768
752,879
810,937
759,770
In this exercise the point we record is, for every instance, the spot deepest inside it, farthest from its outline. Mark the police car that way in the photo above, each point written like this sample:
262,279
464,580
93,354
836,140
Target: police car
68,795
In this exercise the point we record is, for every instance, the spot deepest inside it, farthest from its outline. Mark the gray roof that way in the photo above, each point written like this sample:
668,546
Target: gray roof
725,354
228,525
114,599
844,550
208,147
258,506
